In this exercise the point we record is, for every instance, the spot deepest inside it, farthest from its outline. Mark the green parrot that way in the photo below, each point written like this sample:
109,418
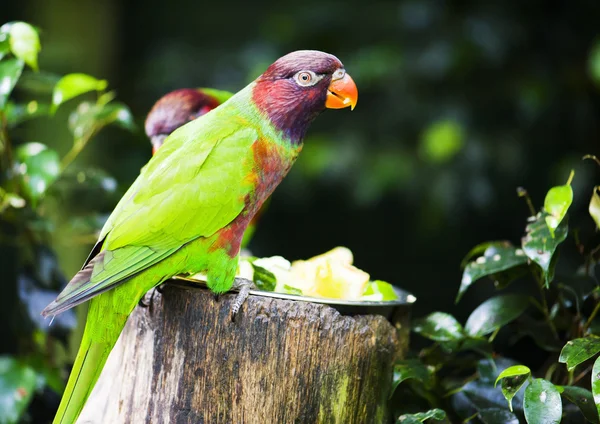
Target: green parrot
188,210
179,107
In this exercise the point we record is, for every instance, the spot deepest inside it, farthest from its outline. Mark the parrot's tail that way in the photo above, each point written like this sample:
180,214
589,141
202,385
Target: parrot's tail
97,343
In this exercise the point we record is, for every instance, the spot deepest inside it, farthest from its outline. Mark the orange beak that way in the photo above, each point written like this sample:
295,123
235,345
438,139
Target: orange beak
342,93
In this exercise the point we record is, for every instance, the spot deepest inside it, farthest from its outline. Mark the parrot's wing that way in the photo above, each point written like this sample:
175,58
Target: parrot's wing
189,189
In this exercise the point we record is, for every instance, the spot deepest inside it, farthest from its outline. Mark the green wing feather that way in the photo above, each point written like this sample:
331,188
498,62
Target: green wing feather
196,184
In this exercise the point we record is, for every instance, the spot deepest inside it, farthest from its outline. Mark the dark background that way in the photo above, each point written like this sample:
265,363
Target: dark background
460,103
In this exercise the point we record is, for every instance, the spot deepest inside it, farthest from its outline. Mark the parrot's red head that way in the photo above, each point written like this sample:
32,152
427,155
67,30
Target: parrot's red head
174,110
299,86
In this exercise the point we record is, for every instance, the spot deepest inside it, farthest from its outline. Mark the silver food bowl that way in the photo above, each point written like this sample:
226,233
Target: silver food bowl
346,307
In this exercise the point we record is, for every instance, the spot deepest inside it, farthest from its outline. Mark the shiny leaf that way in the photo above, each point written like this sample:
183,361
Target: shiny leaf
435,414
39,167
584,399
513,378
89,116
495,313
411,369
497,257
556,204
17,385
539,244
10,71
497,416
596,384
594,207
116,113
73,85
24,42
439,326
542,404
264,279
579,350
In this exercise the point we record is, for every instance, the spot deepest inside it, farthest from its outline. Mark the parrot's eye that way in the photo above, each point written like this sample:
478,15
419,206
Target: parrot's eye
307,78
339,74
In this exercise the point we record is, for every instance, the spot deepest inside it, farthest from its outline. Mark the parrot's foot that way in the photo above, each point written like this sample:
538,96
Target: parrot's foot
243,286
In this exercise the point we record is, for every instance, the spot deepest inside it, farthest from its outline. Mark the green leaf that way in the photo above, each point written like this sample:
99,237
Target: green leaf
411,369
596,384
10,71
73,85
495,313
539,244
116,113
39,167
378,291
439,326
24,42
480,249
515,370
93,117
17,384
292,290
497,416
584,400
594,207
557,202
542,404
18,113
579,350
264,279
513,379
497,257
436,414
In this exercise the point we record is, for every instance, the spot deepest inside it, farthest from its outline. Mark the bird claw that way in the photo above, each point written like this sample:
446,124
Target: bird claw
243,286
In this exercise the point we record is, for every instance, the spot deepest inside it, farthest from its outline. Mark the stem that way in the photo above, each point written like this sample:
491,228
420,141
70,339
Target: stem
570,381
550,371
521,192
582,374
571,175
545,309
466,420
591,318
592,157
78,146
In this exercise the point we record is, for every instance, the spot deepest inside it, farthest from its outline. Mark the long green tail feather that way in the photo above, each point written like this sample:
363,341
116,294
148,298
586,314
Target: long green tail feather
96,345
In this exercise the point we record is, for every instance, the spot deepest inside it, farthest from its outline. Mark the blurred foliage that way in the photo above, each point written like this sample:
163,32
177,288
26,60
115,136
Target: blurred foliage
460,371
34,180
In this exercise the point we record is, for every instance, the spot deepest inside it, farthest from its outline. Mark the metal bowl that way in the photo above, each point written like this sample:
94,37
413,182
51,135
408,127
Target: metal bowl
345,307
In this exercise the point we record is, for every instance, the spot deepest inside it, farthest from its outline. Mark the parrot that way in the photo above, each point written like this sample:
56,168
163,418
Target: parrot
187,211
179,107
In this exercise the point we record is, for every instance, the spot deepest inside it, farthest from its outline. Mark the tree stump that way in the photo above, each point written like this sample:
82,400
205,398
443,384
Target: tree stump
183,360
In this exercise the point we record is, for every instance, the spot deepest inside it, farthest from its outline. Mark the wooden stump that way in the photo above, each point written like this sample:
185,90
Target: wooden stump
183,360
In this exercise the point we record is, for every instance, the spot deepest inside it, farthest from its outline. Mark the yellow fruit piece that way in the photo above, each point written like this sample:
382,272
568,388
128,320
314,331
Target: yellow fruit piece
329,275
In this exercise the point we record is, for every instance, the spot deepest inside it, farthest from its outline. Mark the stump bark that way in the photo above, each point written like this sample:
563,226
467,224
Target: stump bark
183,360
